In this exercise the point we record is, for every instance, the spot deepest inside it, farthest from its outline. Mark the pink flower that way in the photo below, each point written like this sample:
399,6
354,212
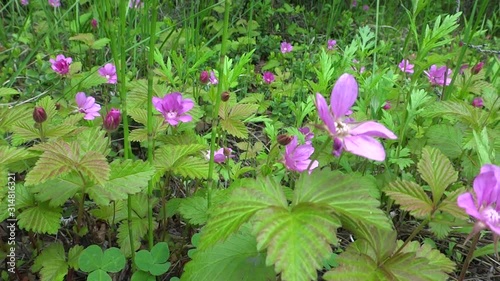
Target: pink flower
355,137
477,102
297,156
135,4
268,77
387,105
463,68
354,3
204,77
361,70
220,155
213,79
108,71
61,64
112,120
366,7
94,23
477,68
439,76
308,135
24,2
331,44
55,3
286,47
484,203
88,106
406,66
174,108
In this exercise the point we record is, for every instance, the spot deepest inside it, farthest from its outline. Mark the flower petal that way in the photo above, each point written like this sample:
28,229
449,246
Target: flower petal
80,98
466,202
325,114
344,94
372,129
365,146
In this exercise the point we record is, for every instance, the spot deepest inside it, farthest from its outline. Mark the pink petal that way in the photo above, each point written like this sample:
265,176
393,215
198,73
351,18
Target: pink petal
80,98
365,146
484,187
187,105
465,201
89,103
372,129
344,94
185,118
157,103
325,114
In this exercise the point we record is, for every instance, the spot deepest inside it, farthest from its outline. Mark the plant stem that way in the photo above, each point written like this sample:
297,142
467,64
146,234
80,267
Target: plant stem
469,256
412,235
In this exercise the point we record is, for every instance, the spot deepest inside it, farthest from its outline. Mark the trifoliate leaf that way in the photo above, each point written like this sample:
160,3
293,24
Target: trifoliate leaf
24,197
93,139
235,127
40,219
51,263
194,209
411,197
59,190
10,154
95,166
447,139
91,258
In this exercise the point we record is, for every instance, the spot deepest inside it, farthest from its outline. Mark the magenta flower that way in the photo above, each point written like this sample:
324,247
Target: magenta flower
308,135
477,68
484,204
174,108
55,3
439,76
366,7
213,79
88,106
135,4
477,102
406,66
108,71
220,155
463,68
355,137
112,120
361,69
286,47
61,64
331,44
268,77
204,77
297,156
24,2
387,105
94,23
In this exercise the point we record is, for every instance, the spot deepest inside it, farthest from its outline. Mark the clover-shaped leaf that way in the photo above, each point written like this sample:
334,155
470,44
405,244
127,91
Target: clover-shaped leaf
154,262
97,263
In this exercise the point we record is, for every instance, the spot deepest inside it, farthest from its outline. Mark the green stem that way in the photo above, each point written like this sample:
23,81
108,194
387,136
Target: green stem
412,235
215,113
468,259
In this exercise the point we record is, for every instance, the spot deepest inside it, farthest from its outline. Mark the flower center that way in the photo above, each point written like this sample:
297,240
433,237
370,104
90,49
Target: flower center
342,129
171,114
107,76
491,215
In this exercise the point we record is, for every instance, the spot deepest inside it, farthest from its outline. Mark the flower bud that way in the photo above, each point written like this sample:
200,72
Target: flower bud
39,114
387,105
227,151
94,24
284,139
477,68
224,96
112,120
478,102
204,77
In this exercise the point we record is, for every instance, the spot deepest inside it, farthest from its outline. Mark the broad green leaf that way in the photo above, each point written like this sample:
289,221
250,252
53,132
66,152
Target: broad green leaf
73,256
244,202
59,190
91,258
143,260
437,171
10,116
140,275
100,43
112,213
99,275
449,205
8,92
456,111
194,209
51,263
93,139
40,219
57,160
139,229
86,38
173,158
148,262
192,167
411,197
355,266
57,131
24,197
234,127
160,252
24,131
297,240
348,195
48,104
235,259
485,153
10,154
447,139
113,260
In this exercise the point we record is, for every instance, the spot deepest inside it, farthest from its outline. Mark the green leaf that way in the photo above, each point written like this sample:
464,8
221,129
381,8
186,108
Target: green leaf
59,190
142,276
73,256
348,195
100,43
411,197
194,209
40,219
24,198
113,260
8,92
235,259
51,263
486,154
24,131
139,229
95,166
436,260
447,139
160,252
175,158
297,240
243,203
449,205
154,262
192,167
437,171
86,38
99,275
91,258
48,104
234,127
93,139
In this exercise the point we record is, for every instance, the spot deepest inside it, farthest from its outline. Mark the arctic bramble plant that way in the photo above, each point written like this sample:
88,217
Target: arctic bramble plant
331,44
286,47
220,155
61,64
112,120
55,3
88,106
212,80
268,77
354,137
406,66
174,107
439,76
108,71
297,156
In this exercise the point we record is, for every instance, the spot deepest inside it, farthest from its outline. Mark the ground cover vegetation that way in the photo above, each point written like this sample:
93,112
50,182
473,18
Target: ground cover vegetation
249,140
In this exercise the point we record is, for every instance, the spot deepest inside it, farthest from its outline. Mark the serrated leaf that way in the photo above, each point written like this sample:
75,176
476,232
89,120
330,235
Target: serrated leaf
194,209
191,167
112,213
447,138
24,131
435,258
58,131
99,43
8,117
172,157
40,219
95,166
73,256
86,38
437,171
449,205
411,197
235,259
234,127
93,139
243,203
297,240
59,190
24,198
51,263
348,195
8,92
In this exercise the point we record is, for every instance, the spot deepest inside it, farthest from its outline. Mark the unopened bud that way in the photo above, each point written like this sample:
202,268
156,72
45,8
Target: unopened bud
387,105
93,22
204,77
227,151
477,68
224,96
112,120
284,139
39,114
478,102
